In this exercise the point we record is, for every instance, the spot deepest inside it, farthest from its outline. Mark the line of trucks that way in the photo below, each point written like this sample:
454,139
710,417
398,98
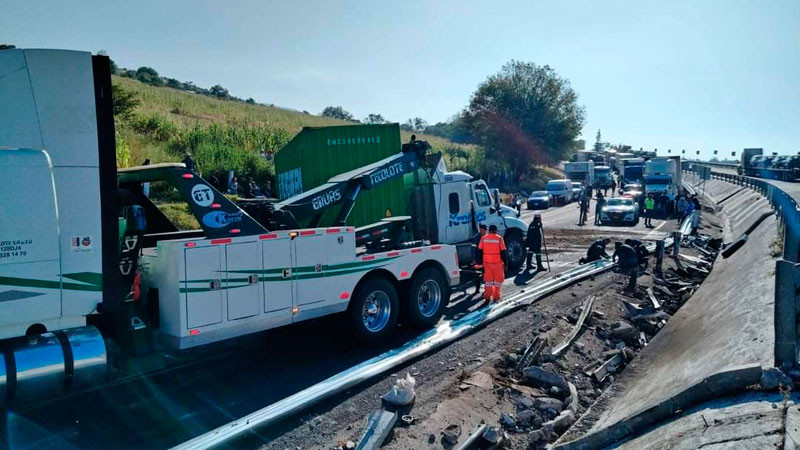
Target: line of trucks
660,176
755,164
89,257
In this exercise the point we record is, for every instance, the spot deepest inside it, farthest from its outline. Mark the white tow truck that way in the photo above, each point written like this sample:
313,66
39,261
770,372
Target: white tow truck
87,256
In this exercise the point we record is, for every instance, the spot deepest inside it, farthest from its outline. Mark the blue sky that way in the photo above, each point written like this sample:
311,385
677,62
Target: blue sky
699,75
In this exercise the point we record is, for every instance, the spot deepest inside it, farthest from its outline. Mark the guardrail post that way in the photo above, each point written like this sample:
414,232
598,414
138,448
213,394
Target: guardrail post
787,275
659,256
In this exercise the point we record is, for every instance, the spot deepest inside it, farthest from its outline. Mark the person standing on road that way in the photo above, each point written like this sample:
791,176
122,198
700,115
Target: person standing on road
492,253
680,208
583,207
613,187
601,201
596,251
649,210
533,241
627,262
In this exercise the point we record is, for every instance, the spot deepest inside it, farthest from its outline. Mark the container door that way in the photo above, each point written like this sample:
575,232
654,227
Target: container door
311,258
203,286
242,279
277,281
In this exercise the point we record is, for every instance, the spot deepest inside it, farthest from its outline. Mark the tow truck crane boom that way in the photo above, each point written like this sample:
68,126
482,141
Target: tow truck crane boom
344,188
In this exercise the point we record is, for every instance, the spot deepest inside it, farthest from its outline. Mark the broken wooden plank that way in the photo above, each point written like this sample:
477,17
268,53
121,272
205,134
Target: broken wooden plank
379,424
587,309
653,298
608,367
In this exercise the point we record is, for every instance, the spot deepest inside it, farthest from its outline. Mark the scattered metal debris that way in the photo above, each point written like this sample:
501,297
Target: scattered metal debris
532,352
653,298
379,424
587,310
608,367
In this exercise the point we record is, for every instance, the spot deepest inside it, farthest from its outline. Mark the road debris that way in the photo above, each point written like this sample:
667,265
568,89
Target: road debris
379,424
532,352
608,367
585,312
451,434
545,378
402,393
653,298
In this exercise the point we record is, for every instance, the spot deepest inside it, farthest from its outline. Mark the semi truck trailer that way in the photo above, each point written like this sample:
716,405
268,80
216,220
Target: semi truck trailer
580,172
89,258
754,164
662,178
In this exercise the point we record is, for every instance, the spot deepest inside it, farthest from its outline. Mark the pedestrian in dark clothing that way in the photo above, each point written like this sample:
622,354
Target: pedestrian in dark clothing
596,251
533,241
476,239
188,162
627,262
601,201
613,187
696,203
641,250
583,206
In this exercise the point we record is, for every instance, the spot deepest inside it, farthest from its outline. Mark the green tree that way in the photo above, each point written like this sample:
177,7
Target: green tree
374,119
337,112
219,91
417,124
598,142
123,102
250,101
148,75
524,115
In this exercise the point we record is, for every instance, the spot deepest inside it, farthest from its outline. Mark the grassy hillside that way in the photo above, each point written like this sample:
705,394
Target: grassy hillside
224,134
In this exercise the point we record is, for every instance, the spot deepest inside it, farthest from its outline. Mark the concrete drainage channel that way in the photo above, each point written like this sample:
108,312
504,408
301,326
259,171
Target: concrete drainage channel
429,341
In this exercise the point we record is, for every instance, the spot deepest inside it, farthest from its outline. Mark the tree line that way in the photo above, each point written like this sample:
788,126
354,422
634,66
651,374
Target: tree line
523,116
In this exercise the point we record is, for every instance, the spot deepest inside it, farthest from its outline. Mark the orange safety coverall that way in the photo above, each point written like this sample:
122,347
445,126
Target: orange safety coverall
493,271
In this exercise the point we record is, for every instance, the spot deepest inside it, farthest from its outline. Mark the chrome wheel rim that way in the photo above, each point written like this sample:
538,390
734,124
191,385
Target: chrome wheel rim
429,297
376,311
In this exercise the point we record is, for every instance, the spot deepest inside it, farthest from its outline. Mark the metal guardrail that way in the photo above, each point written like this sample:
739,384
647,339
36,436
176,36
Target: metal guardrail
442,335
787,272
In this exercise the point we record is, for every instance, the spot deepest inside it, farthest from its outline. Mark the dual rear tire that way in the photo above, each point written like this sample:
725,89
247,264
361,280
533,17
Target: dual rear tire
376,306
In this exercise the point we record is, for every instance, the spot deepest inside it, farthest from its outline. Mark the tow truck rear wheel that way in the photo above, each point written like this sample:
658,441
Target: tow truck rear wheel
516,250
374,310
427,297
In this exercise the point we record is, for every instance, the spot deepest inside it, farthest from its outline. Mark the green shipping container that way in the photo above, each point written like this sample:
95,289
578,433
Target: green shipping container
318,153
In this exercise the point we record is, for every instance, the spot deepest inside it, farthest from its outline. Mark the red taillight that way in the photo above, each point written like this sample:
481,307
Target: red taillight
188,176
235,231
436,247
368,258
216,206
390,254
403,274
344,295
308,232
416,250
194,332
333,230
221,241
268,236
190,244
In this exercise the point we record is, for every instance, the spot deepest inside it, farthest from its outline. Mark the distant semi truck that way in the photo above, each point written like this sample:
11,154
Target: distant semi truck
662,178
603,177
580,172
632,170
755,164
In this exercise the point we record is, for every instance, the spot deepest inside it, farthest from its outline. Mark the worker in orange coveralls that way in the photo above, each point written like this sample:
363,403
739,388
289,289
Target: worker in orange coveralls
492,253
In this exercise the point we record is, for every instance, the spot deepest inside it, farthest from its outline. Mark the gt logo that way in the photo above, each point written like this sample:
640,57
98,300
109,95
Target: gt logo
202,195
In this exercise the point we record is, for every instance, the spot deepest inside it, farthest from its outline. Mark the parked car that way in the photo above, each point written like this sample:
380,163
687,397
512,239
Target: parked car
560,190
620,210
577,191
540,200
